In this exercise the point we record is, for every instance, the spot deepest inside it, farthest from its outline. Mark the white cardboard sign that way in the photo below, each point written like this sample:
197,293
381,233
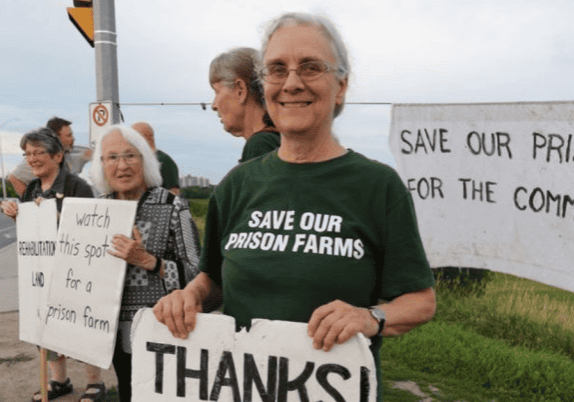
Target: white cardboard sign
274,361
493,185
36,228
87,282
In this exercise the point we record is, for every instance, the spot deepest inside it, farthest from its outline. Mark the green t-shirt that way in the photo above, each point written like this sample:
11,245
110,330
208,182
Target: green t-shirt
168,170
260,143
283,239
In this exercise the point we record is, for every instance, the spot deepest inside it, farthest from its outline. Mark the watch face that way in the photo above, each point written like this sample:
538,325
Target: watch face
378,314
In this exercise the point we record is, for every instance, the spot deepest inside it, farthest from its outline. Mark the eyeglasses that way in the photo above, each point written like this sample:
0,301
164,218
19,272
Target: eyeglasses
28,155
130,158
308,71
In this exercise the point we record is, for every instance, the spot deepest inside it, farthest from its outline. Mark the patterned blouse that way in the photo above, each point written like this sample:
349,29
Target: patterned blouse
168,232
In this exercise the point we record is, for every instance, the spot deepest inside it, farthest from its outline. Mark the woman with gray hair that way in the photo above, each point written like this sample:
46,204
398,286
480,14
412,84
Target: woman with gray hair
163,253
239,101
313,232
44,153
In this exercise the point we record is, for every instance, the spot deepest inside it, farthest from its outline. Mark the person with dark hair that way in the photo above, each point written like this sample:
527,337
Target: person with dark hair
44,152
75,158
168,167
57,123
312,232
239,101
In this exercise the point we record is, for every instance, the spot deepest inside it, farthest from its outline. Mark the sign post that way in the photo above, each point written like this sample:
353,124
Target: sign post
105,40
96,21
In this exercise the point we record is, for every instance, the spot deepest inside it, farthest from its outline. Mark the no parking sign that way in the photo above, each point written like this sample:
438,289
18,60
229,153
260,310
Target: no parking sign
100,119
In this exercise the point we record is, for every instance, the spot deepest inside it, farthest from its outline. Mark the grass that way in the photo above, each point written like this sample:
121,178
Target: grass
513,341
519,311
450,388
198,209
536,302
452,351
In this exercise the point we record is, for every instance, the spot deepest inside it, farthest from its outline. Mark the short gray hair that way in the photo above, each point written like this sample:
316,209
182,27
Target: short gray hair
343,68
239,62
44,137
151,165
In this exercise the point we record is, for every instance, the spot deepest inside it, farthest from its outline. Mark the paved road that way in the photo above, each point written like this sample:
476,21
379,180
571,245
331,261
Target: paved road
8,265
7,231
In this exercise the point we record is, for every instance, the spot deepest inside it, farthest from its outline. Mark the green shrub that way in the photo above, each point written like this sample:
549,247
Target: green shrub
462,281
10,192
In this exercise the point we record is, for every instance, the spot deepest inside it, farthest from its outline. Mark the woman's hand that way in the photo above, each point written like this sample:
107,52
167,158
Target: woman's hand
132,250
337,322
179,309
10,209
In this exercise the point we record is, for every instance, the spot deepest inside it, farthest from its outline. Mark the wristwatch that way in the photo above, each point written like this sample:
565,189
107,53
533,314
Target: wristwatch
380,316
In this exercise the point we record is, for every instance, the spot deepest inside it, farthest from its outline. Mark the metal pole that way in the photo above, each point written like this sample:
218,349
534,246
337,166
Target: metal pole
105,42
2,161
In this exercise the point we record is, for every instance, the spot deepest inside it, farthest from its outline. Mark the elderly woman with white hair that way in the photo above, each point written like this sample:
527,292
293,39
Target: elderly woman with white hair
163,253
313,232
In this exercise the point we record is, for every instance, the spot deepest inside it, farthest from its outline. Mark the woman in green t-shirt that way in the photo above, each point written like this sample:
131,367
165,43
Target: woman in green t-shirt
312,232
239,101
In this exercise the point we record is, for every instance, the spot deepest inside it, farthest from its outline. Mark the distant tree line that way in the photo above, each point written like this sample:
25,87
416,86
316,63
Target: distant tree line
197,193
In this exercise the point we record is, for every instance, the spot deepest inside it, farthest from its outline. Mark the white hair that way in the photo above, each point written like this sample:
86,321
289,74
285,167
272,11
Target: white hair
326,26
152,175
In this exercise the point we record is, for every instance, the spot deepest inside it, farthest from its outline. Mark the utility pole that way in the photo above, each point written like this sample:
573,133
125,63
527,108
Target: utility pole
105,41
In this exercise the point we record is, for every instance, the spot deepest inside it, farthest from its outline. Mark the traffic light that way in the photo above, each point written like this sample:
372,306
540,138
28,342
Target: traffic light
82,16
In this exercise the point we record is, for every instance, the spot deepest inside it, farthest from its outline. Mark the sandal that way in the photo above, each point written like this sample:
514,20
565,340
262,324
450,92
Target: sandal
97,396
55,390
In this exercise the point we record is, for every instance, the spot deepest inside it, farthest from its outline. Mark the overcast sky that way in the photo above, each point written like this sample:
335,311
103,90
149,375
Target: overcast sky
419,51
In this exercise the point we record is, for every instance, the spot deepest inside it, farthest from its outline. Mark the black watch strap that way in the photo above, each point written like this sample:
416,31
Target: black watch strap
380,316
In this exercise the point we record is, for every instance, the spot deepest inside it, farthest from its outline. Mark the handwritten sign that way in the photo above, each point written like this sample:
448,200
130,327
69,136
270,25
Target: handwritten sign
36,227
493,185
274,361
85,294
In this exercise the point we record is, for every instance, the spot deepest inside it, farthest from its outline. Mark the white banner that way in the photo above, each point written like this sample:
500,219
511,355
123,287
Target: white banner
493,185
36,227
87,282
274,361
